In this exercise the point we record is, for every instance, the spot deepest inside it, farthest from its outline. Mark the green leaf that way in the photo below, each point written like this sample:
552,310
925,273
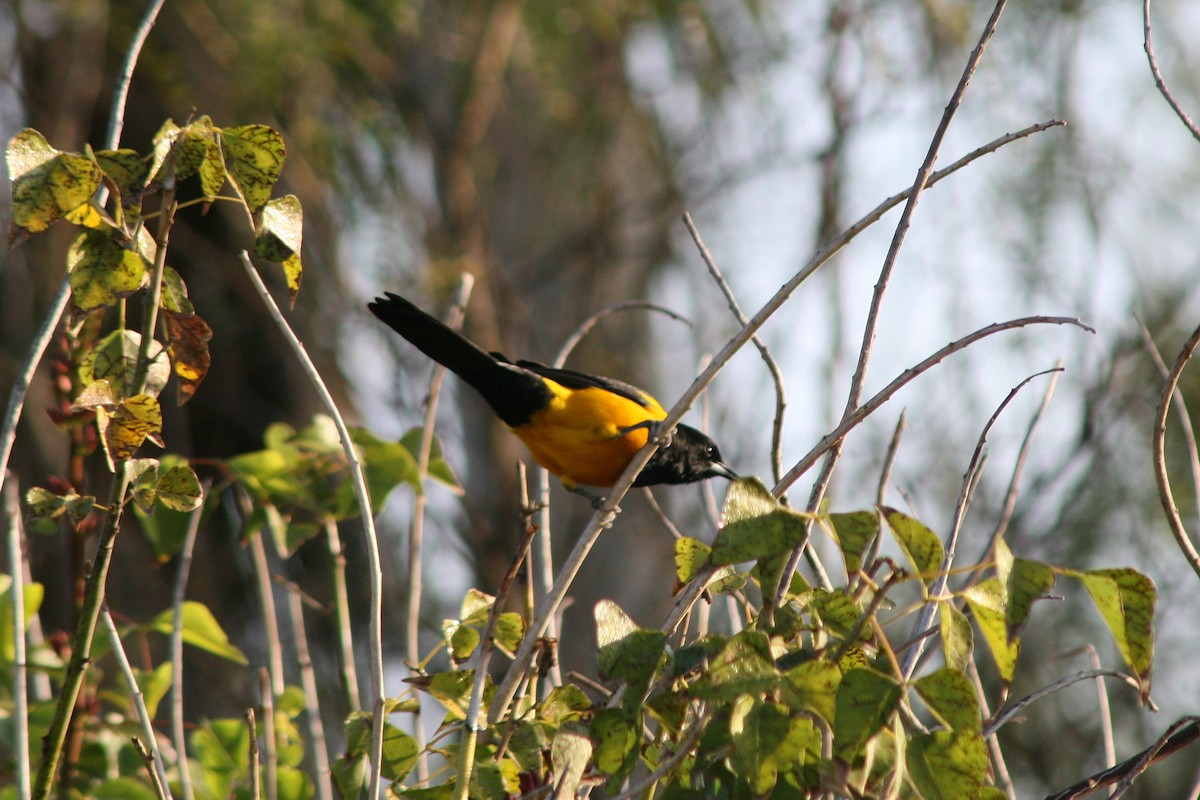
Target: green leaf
951,697
921,545
451,689
387,465
813,685
743,666
200,629
114,359
865,701
1027,581
626,652
854,533
254,156
31,596
165,529
510,628
122,789
690,556
174,293
154,686
617,737
222,747
570,752
837,610
103,270
461,639
1126,599
212,170
128,173
439,469
291,702
293,784
766,742
755,526
280,234
948,765
400,753
987,602
957,640
350,775
46,184
179,489
45,504
564,704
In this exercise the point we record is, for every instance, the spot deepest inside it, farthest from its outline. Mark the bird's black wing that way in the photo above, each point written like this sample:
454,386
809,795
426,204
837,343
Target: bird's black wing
573,379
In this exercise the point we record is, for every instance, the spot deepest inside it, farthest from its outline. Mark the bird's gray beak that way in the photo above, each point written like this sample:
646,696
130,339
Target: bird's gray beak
722,470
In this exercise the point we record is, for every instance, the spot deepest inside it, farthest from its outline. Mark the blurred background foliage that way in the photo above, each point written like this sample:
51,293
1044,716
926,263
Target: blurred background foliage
549,149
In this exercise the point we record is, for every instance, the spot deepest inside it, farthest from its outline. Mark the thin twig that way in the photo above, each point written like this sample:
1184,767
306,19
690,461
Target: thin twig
16,566
970,479
156,780
176,646
487,645
270,752
255,767
1012,709
375,570
1160,455
412,624
871,328
341,604
1148,46
266,601
1181,408
136,698
312,697
661,513
885,478
1178,736
1010,496
889,460
759,344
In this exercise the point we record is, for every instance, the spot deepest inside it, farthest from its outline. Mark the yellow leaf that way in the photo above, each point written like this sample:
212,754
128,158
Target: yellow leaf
134,420
46,184
102,271
254,156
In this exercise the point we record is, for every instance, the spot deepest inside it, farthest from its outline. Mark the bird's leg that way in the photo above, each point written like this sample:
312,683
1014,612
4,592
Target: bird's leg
652,427
596,500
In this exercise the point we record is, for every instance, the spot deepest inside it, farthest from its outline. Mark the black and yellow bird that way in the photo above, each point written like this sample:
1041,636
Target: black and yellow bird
583,428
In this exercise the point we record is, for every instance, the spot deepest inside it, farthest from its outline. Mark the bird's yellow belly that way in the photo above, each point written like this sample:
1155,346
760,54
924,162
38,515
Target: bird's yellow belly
578,436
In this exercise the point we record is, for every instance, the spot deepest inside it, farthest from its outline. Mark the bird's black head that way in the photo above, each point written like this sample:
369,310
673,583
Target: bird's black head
690,456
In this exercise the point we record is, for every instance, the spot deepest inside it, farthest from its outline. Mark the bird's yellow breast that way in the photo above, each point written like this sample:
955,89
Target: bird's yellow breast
577,436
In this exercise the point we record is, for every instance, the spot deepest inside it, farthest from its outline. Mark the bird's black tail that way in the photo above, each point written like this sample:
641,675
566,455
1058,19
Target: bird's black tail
513,393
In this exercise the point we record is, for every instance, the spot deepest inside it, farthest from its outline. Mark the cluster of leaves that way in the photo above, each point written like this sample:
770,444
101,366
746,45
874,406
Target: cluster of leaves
123,204
114,256
809,700
299,480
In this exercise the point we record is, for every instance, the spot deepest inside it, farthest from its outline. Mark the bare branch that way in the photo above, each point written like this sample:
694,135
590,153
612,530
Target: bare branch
1159,81
1160,455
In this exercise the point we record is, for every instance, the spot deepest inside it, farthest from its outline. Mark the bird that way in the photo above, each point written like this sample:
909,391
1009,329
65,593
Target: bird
584,429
